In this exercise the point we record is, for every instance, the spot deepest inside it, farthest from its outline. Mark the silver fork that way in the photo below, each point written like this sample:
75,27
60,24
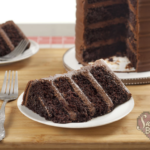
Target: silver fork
9,92
18,50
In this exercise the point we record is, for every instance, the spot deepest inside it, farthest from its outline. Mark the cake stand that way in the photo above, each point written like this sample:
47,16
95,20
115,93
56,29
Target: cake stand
120,65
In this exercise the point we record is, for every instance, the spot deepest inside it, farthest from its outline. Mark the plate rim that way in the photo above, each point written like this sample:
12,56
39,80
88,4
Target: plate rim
121,75
20,59
19,100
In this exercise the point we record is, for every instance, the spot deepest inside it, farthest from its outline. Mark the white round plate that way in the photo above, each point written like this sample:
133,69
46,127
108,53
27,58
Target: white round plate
33,49
117,114
70,63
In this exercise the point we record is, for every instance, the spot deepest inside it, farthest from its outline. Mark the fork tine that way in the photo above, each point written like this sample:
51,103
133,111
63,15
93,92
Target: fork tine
8,83
21,48
19,44
17,49
4,84
12,83
27,42
14,51
16,84
25,45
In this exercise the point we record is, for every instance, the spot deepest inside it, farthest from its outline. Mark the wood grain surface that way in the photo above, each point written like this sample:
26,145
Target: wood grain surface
23,133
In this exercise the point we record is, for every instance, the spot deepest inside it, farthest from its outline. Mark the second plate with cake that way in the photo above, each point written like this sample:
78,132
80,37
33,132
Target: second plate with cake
33,49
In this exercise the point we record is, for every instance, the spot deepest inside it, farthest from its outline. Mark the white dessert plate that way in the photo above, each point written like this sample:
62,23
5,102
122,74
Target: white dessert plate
119,65
117,114
33,49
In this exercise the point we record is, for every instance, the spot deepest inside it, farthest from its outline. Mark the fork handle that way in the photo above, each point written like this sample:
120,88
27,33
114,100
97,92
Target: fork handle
2,120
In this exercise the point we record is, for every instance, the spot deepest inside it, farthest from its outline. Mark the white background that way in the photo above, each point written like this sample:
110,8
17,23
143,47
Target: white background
38,11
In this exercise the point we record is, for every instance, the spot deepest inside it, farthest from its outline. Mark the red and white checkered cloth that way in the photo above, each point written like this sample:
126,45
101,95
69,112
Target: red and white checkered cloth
54,42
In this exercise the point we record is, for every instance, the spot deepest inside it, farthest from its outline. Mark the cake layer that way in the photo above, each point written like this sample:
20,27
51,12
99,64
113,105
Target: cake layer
107,13
108,32
74,101
5,45
108,23
92,94
4,49
92,54
110,84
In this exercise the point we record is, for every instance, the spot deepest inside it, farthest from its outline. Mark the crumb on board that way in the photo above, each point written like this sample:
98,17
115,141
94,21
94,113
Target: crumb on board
110,59
129,66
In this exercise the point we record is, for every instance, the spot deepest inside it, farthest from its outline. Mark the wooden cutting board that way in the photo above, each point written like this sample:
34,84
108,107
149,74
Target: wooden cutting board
22,133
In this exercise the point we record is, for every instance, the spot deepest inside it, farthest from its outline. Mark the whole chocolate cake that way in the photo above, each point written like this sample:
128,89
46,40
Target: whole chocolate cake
10,37
76,96
113,27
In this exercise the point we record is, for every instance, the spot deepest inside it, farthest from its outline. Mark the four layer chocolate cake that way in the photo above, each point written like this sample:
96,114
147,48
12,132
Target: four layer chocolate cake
10,36
113,27
76,96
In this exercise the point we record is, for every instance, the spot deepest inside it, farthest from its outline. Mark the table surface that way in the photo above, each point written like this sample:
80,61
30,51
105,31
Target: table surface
21,132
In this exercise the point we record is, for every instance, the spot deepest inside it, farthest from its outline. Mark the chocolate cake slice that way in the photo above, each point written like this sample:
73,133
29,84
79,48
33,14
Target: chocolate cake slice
5,44
76,96
106,28
12,36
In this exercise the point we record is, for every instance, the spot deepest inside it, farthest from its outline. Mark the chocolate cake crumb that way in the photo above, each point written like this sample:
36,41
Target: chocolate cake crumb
110,59
129,66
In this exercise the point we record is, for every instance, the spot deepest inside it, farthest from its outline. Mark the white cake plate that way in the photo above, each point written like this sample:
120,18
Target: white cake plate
117,114
119,65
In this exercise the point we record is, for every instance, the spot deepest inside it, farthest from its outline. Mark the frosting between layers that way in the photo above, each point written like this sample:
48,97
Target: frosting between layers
107,23
104,42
